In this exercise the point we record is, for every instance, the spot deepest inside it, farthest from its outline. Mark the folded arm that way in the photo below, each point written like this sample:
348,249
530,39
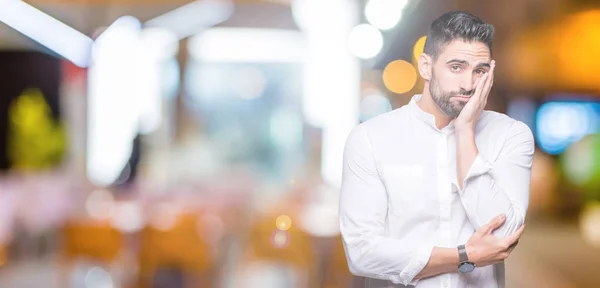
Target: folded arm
363,211
487,189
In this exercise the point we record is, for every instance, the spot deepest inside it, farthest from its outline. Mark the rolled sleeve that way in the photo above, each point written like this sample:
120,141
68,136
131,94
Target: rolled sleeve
479,167
415,266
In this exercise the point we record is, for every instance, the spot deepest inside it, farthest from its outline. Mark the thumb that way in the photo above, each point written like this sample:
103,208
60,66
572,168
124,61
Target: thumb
494,224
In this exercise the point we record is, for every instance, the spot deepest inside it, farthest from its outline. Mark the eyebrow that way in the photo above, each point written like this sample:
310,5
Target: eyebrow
465,62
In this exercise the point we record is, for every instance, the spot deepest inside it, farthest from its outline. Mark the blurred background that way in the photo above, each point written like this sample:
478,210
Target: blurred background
150,143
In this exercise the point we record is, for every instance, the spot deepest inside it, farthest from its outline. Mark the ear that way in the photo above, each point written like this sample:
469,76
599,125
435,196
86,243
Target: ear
425,66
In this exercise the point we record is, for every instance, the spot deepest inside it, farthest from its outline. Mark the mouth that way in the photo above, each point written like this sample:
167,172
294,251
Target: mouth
462,98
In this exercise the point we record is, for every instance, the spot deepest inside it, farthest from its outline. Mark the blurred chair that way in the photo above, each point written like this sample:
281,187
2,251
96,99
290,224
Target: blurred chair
292,250
181,247
94,241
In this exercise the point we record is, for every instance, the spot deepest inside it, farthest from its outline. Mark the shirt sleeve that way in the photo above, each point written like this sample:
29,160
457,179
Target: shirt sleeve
501,187
363,211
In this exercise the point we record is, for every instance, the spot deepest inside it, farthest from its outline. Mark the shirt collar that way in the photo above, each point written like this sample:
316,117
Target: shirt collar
428,118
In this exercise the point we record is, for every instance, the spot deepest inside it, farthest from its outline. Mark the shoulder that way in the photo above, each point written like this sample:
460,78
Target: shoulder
499,123
385,122
376,127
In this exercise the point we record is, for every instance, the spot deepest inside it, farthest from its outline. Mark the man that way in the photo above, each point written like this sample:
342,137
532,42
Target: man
423,180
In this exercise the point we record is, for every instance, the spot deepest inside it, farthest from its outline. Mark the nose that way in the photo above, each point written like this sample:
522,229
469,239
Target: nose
468,82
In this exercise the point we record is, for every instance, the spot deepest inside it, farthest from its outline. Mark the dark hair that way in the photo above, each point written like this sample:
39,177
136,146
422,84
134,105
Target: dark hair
457,25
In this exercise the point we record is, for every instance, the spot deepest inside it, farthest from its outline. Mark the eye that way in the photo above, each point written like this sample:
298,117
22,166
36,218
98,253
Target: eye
455,68
480,71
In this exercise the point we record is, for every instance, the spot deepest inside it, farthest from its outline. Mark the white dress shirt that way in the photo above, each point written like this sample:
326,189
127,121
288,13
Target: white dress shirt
400,198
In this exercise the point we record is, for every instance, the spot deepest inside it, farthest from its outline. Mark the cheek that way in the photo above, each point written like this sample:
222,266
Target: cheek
446,81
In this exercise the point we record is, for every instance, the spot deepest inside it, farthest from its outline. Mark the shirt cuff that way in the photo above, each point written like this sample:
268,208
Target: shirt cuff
479,167
414,267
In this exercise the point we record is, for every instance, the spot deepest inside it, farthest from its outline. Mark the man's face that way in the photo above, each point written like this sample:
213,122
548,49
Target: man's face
455,72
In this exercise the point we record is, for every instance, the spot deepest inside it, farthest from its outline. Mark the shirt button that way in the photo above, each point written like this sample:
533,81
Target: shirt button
445,285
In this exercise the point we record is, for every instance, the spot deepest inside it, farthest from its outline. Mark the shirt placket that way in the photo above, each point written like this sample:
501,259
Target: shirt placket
444,193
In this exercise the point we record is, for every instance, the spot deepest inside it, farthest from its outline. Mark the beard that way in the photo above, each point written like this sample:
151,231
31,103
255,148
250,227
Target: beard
443,98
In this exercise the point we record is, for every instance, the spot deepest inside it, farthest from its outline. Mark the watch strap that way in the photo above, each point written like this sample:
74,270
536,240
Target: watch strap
462,254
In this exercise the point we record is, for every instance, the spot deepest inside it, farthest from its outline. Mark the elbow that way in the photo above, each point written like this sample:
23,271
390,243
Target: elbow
360,265
360,269
356,270
365,265
357,266
363,269
515,218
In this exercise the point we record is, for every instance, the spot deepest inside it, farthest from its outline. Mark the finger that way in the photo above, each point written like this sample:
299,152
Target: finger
513,246
480,83
476,84
491,78
479,87
494,224
513,238
487,86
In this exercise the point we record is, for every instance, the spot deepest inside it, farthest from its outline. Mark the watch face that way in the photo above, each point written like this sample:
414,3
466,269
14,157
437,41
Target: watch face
466,267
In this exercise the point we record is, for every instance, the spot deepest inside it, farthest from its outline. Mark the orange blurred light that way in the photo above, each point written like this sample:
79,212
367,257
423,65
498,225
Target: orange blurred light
579,61
283,222
399,76
418,48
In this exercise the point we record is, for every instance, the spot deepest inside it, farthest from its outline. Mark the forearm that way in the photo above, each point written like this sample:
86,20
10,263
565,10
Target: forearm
386,258
466,152
442,260
483,200
482,195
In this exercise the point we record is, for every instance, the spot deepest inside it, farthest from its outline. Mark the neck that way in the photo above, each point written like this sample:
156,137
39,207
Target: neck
428,105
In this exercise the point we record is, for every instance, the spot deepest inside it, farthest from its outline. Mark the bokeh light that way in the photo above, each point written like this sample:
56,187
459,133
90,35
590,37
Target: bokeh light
286,128
283,222
577,66
373,105
365,41
321,219
581,165
128,217
418,48
164,216
100,204
589,223
97,277
280,239
559,124
384,14
399,76
250,83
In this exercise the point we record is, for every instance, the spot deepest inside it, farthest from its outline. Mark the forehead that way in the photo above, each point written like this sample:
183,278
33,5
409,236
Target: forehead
470,51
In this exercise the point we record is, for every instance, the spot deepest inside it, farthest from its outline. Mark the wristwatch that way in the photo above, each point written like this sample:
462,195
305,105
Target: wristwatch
465,265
